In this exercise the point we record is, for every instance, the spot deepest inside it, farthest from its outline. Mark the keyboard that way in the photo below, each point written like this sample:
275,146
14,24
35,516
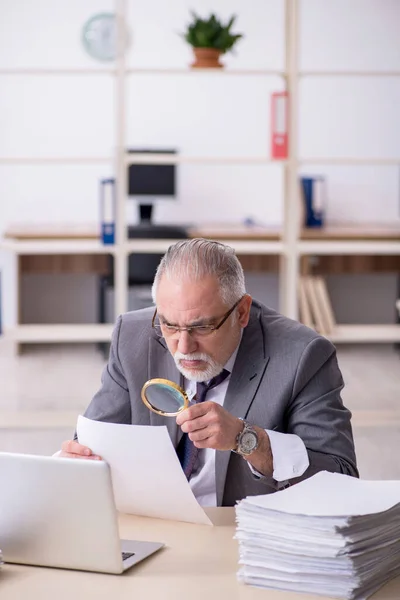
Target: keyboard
126,555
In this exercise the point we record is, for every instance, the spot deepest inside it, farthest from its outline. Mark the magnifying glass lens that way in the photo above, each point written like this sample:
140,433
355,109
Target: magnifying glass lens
164,397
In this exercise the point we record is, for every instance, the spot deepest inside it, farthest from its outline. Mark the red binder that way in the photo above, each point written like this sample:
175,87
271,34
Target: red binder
279,125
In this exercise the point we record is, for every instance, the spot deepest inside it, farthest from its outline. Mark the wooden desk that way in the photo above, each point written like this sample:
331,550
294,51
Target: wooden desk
199,563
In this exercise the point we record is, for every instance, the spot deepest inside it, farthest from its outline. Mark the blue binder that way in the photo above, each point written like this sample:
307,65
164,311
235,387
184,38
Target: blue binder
314,196
107,210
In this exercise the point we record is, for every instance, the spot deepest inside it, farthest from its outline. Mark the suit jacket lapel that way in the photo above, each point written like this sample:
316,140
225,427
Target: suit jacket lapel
248,370
162,364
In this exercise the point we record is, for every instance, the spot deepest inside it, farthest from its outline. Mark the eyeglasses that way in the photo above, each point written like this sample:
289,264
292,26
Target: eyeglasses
196,331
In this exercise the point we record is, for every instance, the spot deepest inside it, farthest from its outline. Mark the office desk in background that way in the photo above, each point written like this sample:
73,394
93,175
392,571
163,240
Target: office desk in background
199,562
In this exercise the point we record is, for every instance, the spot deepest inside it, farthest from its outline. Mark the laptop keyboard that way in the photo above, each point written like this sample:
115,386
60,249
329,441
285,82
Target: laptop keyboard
126,555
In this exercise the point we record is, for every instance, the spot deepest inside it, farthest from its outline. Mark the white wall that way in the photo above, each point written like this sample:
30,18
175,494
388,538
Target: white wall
203,114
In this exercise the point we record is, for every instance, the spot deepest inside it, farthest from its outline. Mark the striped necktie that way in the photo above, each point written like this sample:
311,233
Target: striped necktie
186,450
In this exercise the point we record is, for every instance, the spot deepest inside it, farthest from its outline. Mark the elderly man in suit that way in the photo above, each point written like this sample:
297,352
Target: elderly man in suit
270,414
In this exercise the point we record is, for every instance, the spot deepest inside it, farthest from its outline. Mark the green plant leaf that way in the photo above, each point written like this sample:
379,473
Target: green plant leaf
231,22
211,33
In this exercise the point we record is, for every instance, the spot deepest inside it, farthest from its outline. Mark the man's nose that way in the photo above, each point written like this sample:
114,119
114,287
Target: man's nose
186,343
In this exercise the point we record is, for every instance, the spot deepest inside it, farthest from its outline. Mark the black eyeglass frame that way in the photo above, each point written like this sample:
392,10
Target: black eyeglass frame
211,328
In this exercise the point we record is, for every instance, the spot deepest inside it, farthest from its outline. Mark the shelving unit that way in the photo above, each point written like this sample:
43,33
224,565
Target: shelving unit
299,247
57,247
57,334
290,248
360,334
348,247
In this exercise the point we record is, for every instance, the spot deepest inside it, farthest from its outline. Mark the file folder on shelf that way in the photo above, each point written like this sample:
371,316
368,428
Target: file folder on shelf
107,210
279,125
314,196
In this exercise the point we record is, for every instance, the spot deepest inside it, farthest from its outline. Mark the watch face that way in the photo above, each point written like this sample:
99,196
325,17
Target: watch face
99,36
248,442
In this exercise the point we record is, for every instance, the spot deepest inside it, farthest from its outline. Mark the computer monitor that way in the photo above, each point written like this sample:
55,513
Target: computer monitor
151,181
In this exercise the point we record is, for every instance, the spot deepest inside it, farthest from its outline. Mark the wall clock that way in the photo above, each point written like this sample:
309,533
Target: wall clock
99,36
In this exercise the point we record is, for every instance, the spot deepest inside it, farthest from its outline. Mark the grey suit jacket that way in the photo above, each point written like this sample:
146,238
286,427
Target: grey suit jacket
285,378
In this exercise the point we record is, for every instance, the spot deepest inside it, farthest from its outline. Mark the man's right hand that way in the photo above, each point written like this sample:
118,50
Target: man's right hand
73,449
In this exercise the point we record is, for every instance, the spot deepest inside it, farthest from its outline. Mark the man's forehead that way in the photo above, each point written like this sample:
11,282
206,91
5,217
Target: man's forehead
179,280
189,309
188,294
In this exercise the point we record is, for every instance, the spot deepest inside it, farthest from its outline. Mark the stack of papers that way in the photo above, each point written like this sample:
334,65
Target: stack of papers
331,534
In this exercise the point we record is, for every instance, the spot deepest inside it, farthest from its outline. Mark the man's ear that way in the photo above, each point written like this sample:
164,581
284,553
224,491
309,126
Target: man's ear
244,310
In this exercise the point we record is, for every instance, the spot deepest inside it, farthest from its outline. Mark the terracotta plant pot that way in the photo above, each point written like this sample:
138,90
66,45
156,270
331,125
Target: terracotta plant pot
206,58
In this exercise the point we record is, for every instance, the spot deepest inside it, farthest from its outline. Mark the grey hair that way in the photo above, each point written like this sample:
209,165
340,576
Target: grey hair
198,258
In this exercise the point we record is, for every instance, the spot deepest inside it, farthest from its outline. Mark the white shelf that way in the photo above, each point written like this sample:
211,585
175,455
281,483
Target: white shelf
45,334
360,334
171,159
321,247
147,246
241,247
351,160
59,71
311,73
142,71
256,246
38,160
188,71
20,247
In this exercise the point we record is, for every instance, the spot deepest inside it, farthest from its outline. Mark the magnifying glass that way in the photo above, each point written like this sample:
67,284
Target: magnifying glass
164,397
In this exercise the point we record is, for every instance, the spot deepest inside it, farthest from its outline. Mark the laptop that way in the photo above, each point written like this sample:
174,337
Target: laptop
60,512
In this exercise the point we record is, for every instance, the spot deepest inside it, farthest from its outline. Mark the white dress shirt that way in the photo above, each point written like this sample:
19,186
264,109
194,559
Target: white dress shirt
289,454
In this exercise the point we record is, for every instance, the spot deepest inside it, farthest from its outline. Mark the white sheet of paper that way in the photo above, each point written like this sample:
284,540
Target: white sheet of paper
147,477
332,495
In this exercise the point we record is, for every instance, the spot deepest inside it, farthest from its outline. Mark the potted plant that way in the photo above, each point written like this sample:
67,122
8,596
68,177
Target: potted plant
209,39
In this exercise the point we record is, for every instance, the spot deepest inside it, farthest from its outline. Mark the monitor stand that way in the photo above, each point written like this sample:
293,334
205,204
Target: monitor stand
145,213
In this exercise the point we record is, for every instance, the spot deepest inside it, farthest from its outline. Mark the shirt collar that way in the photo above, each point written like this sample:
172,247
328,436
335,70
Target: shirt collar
229,364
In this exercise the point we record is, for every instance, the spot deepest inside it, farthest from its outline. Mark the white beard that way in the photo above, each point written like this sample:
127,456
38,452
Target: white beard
212,369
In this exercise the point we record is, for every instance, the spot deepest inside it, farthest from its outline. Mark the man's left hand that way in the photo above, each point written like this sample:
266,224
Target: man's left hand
210,426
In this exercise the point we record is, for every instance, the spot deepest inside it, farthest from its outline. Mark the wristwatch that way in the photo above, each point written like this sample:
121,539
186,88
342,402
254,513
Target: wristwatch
246,440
